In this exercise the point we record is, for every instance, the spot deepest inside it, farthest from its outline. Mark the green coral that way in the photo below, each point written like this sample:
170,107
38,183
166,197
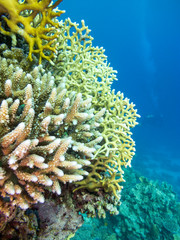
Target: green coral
149,210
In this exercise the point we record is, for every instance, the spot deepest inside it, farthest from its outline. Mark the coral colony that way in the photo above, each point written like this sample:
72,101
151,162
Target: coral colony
60,122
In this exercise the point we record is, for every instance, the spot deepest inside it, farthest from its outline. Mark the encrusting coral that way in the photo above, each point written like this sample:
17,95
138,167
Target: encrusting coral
33,20
43,134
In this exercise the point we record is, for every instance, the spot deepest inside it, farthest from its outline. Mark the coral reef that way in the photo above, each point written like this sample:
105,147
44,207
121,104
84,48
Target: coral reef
96,204
34,21
149,210
108,150
85,69
65,135
43,135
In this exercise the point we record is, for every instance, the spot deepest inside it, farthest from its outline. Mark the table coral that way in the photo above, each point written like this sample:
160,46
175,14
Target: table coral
33,20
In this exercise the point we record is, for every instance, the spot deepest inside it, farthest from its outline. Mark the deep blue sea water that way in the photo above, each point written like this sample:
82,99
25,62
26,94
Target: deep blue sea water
142,42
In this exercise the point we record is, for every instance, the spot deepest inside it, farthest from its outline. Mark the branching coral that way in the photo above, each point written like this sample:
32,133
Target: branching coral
102,176
33,20
63,123
84,68
43,134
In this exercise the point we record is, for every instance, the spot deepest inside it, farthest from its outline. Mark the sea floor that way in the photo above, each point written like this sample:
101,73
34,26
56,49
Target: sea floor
159,164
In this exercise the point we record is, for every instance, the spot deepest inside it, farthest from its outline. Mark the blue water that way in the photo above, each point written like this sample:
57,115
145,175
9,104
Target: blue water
142,42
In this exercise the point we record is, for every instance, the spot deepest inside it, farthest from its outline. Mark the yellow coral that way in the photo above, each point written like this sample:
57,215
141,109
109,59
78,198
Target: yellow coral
103,175
33,20
85,69
102,134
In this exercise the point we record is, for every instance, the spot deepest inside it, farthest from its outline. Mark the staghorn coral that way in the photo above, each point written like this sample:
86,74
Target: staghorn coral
47,136
85,69
34,21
